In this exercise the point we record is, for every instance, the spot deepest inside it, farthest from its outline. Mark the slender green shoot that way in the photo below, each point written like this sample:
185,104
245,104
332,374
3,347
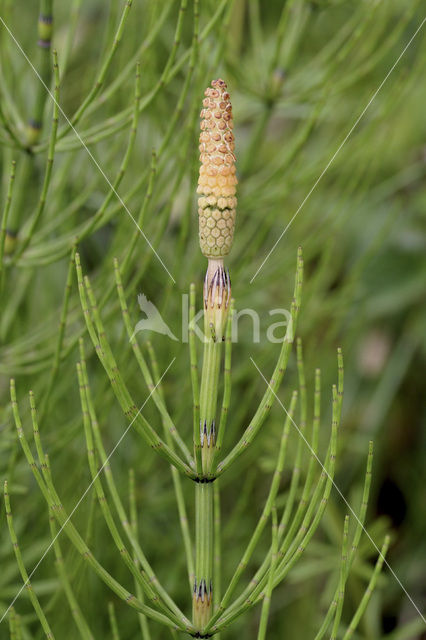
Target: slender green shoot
368,592
266,603
24,574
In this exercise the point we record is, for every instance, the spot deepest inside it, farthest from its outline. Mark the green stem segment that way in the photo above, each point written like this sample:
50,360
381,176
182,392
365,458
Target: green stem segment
203,584
217,296
204,539
208,403
44,31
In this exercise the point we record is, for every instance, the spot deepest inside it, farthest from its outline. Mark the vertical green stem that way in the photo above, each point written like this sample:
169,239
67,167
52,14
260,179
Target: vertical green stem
217,547
194,381
113,622
44,31
208,401
204,549
7,239
217,294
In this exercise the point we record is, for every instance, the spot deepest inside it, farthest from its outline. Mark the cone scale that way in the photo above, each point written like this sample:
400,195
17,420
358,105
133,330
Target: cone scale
217,181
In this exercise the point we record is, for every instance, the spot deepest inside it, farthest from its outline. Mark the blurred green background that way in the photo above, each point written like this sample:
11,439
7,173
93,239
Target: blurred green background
300,75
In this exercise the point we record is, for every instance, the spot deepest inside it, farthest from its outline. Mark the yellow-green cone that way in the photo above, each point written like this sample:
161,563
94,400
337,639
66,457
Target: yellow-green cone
216,183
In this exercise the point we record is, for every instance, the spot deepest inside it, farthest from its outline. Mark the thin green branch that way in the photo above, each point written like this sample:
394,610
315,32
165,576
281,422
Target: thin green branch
147,579
275,381
143,621
70,35
287,533
273,491
102,73
153,388
106,357
12,623
368,592
8,126
342,581
112,193
177,484
64,520
141,216
61,333
119,122
113,622
25,577
32,223
226,383
360,521
88,416
291,550
75,609
266,604
4,239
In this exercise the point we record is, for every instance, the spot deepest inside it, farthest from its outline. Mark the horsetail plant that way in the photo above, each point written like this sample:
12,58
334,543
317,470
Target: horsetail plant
216,209
304,502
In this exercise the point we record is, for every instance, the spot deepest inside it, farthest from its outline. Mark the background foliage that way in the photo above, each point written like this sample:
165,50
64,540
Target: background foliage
300,74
